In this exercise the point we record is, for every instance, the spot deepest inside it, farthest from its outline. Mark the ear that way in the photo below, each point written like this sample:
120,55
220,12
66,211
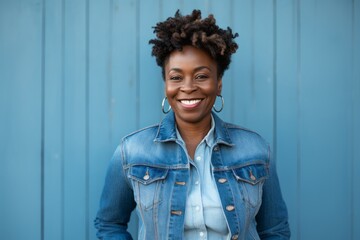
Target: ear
219,86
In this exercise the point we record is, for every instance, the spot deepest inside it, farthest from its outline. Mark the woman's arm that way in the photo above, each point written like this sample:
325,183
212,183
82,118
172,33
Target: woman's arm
272,218
116,203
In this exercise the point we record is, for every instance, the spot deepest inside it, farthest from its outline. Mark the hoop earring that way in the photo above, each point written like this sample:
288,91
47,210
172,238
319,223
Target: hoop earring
163,104
222,104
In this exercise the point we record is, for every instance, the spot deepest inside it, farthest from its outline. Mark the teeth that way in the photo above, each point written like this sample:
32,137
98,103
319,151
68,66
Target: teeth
190,102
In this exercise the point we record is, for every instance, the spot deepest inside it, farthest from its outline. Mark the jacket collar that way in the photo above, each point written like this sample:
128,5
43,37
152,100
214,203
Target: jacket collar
167,130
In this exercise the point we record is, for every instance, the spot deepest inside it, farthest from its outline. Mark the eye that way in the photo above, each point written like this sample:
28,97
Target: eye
175,78
201,76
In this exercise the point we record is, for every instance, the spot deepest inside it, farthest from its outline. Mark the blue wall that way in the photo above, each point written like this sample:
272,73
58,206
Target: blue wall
77,75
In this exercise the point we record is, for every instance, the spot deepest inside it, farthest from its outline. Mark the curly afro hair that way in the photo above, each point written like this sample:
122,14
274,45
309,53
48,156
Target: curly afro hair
179,31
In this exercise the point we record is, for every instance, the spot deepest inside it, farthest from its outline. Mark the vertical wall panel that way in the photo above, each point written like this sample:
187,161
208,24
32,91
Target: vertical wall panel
242,60
75,132
151,87
20,116
100,52
287,75
355,138
255,55
53,125
222,10
123,70
325,123
261,109
112,61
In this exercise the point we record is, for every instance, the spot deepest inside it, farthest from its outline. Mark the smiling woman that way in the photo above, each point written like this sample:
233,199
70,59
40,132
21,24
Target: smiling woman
193,176
191,86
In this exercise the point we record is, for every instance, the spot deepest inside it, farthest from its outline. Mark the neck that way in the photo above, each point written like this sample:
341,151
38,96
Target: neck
193,133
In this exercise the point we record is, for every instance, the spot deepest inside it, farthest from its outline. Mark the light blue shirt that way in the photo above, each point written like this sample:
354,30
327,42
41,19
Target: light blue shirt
204,218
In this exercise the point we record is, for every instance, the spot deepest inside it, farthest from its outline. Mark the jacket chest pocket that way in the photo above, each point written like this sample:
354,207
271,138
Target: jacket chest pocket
147,183
251,179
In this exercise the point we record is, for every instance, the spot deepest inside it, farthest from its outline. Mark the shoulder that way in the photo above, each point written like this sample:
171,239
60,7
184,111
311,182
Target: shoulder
247,143
141,136
239,131
146,131
233,134
137,144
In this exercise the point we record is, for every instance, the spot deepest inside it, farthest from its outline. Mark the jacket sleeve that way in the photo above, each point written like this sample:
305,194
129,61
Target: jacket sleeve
116,203
272,218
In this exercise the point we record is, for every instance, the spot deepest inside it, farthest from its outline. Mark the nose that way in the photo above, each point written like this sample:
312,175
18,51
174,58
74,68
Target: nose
188,85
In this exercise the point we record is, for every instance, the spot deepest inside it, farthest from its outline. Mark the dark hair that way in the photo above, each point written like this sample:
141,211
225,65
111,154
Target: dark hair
179,31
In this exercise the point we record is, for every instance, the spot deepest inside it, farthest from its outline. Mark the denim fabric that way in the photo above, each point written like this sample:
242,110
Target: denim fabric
150,171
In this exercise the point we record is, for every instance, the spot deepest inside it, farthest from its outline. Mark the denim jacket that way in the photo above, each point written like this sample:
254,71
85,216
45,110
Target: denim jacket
150,172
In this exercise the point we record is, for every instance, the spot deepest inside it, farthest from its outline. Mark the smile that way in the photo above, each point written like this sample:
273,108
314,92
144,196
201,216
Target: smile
190,103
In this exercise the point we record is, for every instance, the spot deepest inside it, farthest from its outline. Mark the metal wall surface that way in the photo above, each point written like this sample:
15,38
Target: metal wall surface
77,75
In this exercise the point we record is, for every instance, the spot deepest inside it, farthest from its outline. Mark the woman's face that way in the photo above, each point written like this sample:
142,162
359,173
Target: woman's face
191,84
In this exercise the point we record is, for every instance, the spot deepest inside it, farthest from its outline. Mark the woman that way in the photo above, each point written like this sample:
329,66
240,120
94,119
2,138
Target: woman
193,176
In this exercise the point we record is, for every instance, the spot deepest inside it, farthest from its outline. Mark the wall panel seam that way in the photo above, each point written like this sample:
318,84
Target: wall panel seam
87,30
352,138
137,71
42,180
62,120
232,78
298,160
274,130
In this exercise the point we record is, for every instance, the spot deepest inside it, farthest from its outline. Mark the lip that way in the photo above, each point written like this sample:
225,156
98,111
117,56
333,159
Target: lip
190,103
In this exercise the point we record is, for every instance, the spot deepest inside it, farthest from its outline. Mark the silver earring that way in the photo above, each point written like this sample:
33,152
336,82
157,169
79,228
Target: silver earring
163,104
222,104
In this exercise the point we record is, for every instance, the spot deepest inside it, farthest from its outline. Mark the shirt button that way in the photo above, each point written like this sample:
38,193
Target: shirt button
197,208
198,158
201,234
230,208
196,182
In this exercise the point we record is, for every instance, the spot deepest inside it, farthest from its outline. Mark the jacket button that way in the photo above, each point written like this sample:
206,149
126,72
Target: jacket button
146,177
252,177
180,183
230,208
234,237
216,148
176,212
222,180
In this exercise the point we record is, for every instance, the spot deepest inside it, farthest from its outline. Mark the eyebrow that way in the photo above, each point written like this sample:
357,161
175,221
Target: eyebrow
195,69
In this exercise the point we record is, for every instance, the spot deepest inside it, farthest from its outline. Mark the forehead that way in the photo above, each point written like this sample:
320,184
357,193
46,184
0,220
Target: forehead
189,57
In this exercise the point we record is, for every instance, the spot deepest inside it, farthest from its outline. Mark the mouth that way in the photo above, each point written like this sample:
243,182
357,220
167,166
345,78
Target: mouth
190,103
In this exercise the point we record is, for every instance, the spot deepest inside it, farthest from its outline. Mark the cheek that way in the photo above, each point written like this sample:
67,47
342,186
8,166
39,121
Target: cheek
212,90
170,94
170,90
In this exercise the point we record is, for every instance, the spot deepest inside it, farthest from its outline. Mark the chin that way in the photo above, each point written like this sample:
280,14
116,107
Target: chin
192,117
